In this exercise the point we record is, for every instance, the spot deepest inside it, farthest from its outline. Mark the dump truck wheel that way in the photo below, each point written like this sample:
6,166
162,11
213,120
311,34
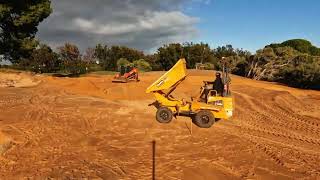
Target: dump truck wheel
164,115
204,119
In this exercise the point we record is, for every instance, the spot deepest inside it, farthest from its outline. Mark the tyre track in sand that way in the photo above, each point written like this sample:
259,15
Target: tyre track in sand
274,118
40,111
260,127
302,159
291,115
256,125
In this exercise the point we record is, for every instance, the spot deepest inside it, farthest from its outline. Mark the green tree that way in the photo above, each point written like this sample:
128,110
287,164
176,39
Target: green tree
71,60
89,56
168,55
122,62
44,60
266,63
18,26
302,72
108,56
300,45
209,66
197,53
224,51
142,65
70,52
101,52
152,60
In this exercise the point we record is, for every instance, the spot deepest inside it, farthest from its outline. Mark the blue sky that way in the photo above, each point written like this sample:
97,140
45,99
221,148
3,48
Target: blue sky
252,24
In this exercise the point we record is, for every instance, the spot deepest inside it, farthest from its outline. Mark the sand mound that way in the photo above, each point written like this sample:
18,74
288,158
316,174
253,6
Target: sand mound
17,80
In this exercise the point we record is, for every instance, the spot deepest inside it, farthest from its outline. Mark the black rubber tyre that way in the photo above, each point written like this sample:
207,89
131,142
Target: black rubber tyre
204,119
164,115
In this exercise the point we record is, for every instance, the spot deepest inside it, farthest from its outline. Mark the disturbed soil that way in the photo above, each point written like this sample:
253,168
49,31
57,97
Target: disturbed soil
88,127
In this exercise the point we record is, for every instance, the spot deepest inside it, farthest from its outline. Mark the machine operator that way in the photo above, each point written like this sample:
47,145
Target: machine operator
218,84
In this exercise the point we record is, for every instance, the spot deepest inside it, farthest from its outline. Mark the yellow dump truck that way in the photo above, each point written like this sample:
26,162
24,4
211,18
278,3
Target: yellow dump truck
205,109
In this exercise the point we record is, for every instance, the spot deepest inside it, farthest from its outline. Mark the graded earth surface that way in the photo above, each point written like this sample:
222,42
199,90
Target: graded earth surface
88,127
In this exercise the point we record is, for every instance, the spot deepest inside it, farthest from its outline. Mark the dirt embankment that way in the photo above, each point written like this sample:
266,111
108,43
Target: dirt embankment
90,128
17,79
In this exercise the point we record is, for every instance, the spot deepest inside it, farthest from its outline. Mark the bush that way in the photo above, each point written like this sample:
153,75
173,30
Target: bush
142,65
94,67
300,45
74,67
69,52
71,60
302,72
122,62
44,60
209,66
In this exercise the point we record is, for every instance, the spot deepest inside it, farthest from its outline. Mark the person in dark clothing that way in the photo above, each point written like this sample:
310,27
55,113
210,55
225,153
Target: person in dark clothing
122,70
218,84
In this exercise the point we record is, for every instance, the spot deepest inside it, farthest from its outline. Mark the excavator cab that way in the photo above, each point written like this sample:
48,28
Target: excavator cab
203,112
122,70
126,74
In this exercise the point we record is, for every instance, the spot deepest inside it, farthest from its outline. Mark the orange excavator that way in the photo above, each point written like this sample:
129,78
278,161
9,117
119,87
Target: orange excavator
126,74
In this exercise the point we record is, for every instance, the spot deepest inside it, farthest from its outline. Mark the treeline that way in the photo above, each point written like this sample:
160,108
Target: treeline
68,58
294,62
286,65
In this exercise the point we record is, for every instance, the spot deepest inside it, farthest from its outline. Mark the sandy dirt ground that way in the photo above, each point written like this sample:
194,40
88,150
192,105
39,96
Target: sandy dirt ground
73,128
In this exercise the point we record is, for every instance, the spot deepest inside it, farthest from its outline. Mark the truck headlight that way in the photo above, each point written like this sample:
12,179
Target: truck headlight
229,113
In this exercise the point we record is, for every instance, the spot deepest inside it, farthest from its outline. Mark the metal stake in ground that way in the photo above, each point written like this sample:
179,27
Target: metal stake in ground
153,160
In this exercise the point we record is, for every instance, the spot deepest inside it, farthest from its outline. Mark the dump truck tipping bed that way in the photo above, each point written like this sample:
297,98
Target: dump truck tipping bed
177,73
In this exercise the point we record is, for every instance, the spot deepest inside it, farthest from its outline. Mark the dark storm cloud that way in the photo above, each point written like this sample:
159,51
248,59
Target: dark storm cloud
142,24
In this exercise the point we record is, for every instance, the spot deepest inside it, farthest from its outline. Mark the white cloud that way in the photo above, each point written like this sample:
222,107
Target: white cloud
151,21
142,24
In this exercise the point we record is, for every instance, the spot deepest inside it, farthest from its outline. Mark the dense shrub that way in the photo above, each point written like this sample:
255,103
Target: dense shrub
109,56
285,65
300,45
44,60
303,72
209,66
71,60
94,67
122,62
142,65
75,68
